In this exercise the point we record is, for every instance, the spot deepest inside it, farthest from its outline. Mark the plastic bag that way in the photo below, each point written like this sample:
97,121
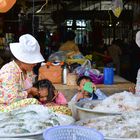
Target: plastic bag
78,56
96,79
81,69
86,70
57,56
117,7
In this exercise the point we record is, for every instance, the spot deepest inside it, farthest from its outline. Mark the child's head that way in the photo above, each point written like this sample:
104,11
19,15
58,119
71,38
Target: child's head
82,80
45,89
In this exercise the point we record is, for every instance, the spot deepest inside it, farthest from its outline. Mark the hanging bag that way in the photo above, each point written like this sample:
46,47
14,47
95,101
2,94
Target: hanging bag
52,72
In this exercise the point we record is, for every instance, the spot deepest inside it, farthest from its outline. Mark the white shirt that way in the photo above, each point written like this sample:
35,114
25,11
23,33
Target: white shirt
138,83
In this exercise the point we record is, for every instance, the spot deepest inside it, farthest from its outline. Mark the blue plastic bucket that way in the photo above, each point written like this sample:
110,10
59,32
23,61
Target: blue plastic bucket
72,133
108,76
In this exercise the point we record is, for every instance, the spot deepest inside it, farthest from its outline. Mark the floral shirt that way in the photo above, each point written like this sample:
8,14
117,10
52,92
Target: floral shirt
12,83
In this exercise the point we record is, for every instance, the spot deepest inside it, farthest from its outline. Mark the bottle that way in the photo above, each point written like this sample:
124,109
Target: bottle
64,75
108,75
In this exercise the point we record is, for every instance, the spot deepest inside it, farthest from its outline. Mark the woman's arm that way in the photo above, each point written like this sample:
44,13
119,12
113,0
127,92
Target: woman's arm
10,87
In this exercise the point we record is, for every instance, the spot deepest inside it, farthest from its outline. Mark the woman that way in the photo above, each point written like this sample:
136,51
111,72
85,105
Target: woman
16,76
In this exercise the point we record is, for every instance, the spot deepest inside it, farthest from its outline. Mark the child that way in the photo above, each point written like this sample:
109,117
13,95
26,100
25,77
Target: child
82,94
48,93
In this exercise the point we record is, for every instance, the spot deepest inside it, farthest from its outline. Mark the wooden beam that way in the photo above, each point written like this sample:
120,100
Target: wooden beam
126,15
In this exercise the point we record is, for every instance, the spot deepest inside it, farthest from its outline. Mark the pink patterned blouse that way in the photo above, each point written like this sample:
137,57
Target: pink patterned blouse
12,83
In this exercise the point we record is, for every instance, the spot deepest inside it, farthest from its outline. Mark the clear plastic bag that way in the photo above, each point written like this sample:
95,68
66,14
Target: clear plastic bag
82,69
57,56
86,70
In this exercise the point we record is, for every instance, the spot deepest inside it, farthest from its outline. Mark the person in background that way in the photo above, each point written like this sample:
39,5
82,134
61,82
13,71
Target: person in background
115,52
136,89
82,94
102,49
16,77
101,52
48,94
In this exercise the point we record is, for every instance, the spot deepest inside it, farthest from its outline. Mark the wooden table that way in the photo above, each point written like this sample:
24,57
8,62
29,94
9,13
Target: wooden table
120,84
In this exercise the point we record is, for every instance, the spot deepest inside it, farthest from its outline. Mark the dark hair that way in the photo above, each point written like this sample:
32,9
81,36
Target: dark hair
83,77
46,84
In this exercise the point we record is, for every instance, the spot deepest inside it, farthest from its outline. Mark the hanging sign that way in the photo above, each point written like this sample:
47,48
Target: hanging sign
6,5
117,7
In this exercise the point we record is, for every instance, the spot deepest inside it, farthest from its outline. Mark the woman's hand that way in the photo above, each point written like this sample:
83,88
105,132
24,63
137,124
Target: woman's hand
33,91
55,95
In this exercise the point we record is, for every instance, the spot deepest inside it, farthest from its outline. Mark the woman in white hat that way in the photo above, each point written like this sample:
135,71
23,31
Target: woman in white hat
16,76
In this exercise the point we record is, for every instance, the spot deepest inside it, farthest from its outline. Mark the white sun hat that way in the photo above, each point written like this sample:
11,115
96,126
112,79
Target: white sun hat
27,50
138,38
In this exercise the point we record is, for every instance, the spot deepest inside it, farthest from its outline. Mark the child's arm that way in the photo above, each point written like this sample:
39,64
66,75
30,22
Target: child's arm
55,95
32,92
79,96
